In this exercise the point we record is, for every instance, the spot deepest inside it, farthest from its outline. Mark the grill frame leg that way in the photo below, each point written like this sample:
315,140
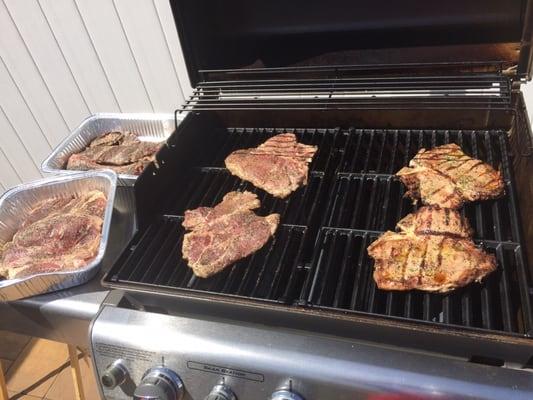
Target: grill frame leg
76,372
3,385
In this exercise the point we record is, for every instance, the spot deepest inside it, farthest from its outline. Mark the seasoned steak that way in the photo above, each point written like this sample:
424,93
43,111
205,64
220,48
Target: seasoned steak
433,252
122,152
279,166
447,177
435,221
434,263
226,233
58,235
92,203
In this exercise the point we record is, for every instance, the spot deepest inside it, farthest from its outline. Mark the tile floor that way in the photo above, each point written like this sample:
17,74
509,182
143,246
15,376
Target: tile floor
38,369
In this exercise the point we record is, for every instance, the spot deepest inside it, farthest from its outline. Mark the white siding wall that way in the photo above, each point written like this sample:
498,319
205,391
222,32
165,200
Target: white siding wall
62,60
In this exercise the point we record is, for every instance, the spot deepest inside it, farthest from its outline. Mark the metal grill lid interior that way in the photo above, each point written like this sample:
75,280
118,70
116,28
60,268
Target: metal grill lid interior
236,35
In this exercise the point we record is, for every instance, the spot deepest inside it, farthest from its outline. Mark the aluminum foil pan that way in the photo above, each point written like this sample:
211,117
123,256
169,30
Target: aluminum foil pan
148,127
16,204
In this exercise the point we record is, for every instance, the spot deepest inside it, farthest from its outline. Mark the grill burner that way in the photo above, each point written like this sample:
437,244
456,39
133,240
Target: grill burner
318,256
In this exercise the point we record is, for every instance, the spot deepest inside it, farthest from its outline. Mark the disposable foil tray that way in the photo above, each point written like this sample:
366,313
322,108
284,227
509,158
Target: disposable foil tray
148,127
17,203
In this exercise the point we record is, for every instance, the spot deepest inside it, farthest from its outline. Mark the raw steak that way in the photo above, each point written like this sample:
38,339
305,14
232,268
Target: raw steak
226,233
58,235
447,177
279,166
432,252
124,153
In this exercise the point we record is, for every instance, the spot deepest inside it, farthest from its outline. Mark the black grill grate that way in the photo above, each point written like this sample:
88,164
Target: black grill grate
342,279
318,257
272,273
377,202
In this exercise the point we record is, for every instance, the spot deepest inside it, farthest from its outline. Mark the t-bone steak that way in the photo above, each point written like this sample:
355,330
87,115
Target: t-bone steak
225,233
122,152
445,176
279,166
60,234
432,252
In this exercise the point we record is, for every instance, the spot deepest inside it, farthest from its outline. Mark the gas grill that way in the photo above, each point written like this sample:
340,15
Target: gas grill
302,318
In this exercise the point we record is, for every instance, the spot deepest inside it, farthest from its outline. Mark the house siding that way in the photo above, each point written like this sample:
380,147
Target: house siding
63,60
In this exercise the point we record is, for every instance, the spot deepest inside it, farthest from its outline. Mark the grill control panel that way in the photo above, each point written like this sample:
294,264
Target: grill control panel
200,359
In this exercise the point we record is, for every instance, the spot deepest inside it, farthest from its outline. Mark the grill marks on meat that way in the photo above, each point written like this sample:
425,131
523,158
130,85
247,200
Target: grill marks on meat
124,153
226,233
230,231
447,177
58,235
279,166
433,252
435,221
427,262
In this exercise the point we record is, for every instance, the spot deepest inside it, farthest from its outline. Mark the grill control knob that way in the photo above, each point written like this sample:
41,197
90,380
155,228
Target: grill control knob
221,392
159,383
114,375
285,395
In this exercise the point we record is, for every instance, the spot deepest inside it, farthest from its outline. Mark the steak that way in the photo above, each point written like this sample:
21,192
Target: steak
58,235
92,203
226,233
279,166
445,176
435,221
124,153
432,252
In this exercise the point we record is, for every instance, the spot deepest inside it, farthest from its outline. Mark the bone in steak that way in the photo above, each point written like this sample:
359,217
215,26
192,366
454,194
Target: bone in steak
447,177
431,220
58,235
279,166
432,252
122,152
226,233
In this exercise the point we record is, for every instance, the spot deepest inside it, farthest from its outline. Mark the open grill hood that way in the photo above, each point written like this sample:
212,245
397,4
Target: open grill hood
320,69
236,35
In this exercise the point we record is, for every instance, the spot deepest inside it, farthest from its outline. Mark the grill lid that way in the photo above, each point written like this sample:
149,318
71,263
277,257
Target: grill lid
237,36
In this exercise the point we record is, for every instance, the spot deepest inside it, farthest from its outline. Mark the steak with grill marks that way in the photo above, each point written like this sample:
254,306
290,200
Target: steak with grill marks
435,221
58,235
432,252
122,152
279,166
447,177
226,233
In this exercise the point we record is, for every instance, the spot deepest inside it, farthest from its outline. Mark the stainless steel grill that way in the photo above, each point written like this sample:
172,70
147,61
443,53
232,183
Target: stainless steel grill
302,318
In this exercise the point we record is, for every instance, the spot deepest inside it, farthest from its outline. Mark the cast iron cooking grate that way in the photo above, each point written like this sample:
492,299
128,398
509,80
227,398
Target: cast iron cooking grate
342,279
367,199
318,257
274,273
